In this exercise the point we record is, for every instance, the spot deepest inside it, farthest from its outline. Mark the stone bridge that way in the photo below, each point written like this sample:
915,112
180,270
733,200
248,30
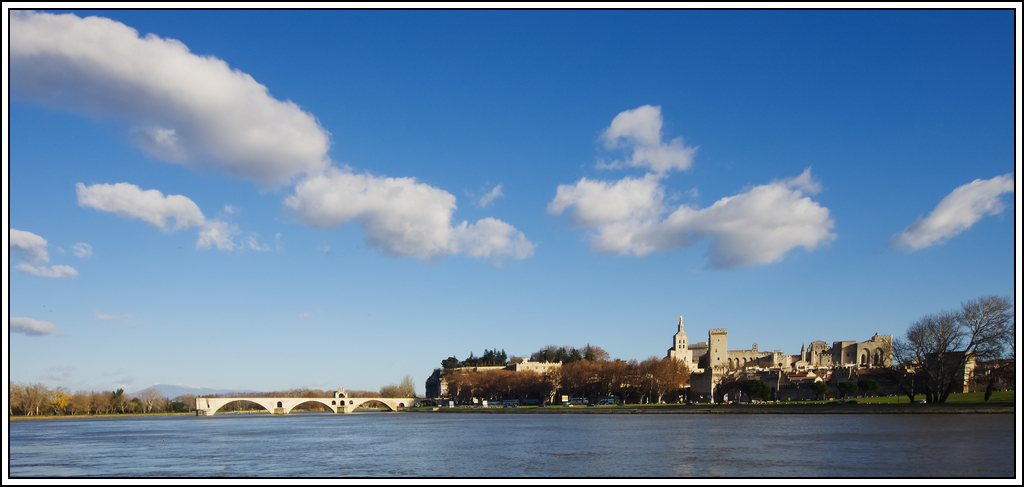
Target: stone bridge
207,406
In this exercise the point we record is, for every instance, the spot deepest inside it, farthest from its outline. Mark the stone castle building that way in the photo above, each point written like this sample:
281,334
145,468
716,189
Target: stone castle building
712,362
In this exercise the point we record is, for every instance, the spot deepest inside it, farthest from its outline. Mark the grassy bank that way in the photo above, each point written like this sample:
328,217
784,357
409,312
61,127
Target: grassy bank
87,416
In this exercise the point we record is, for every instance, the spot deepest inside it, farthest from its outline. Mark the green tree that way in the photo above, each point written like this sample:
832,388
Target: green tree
756,389
847,388
867,385
450,363
820,388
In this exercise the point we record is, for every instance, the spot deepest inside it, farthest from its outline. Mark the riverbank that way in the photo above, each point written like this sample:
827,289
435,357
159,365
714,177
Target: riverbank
744,409
94,416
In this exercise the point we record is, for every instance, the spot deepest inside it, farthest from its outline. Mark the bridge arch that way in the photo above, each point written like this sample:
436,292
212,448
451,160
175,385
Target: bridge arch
262,404
212,405
303,400
372,400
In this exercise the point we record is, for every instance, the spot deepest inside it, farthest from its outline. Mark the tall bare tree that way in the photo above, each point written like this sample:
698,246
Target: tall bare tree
151,398
937,347
407,388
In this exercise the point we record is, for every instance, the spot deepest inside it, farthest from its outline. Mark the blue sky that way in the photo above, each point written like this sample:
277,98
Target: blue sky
266,200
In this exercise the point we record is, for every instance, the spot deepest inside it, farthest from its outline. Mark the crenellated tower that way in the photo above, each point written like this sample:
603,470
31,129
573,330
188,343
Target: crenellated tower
717,351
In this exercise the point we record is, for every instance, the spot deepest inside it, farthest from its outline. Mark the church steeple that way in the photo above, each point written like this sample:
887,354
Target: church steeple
680,346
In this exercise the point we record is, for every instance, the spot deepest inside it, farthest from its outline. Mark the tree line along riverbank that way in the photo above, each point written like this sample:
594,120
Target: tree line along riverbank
744,409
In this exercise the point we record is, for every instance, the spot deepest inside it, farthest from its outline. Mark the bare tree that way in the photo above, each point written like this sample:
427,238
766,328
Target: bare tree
100,401
120,401
937,347
150,398
188,399
80,403
407,388
16,398
35,397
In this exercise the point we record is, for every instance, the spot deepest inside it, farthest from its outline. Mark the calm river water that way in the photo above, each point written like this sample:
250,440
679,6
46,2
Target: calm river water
512,445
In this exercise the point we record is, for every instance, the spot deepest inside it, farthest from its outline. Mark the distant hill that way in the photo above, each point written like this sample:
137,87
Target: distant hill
173,391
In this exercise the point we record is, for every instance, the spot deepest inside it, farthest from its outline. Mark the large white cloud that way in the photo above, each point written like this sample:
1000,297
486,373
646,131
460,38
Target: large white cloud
400,216
187,109
755,227
130,201
640,130
28,326
957,212
29,246
197,111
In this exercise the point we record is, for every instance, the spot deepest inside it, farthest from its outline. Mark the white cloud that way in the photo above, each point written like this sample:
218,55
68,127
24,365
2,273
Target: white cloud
28,326
218,233
82,249
640,130
126,319
29,246
251,242
489,197
490,237
197,111
751,228
600,202
187,109
127,200
756,227
32,248
60,373
957,212
59,271
400,216
304,316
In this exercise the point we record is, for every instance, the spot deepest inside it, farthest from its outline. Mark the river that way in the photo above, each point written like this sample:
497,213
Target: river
414,444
